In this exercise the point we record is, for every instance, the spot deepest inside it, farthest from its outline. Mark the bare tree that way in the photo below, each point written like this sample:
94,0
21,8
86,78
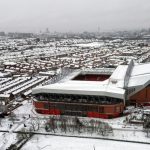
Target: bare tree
35,124
63,124
92,124
22,135
12,117
78,124
146,125
1,122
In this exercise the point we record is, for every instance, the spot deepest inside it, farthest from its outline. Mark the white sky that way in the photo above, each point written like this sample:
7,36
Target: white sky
73,15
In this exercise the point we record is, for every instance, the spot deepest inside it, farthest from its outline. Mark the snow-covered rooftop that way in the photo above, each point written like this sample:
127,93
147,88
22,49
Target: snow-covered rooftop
141,69
117,78
82,88
124,77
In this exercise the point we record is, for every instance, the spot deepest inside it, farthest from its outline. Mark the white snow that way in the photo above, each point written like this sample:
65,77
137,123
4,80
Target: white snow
83,87
93,44
141,69
69,143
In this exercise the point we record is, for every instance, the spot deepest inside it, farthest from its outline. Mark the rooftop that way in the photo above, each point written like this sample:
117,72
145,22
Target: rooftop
124,77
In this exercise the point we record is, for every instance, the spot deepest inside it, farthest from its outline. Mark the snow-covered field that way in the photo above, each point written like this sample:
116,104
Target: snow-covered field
6,139
25,116
67,143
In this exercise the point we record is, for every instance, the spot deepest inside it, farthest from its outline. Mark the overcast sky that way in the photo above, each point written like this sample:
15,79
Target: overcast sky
73,15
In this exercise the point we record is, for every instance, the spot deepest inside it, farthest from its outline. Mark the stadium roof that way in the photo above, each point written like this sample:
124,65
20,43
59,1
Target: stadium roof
82,88
124,77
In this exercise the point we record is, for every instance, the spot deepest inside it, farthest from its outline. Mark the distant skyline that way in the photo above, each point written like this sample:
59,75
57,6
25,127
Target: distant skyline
73,15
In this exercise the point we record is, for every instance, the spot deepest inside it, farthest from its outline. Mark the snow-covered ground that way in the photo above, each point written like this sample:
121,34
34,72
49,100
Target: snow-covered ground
67,143
6,139
25,109
25,116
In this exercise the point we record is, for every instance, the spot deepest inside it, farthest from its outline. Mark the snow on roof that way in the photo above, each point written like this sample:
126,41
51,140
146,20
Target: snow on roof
108,71
81,88
131,75
93,44
140,75
119,73
10,63
71,76
47,73
139,80
4,95
4,74
141,69
117,78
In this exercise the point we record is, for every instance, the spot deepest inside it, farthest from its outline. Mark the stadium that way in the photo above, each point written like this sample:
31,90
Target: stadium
99,93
